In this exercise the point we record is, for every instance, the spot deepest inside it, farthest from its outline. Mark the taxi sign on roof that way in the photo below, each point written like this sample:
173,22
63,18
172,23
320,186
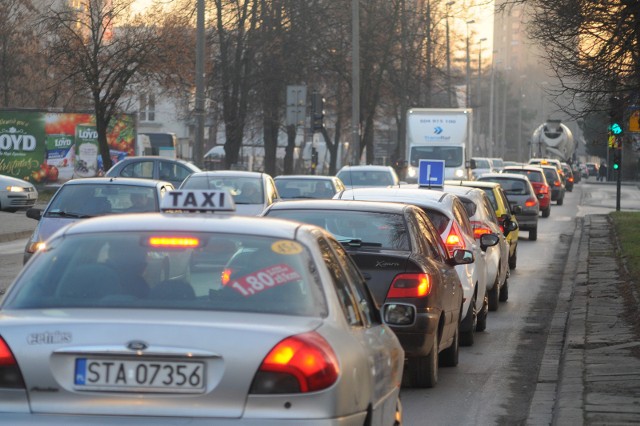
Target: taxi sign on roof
198,200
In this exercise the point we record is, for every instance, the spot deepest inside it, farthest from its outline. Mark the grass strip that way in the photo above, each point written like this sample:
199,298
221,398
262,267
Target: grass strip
627,226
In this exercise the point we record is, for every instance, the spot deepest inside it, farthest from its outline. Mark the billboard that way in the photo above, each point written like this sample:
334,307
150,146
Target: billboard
53,147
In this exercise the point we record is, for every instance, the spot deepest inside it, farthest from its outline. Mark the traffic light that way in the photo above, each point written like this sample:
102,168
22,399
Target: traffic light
616,160
317,112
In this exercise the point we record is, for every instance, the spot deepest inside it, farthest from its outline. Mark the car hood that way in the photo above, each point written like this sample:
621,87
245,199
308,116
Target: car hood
47,226
8,180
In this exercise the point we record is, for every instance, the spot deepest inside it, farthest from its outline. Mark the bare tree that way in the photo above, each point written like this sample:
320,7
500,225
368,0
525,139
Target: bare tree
22,68
104,48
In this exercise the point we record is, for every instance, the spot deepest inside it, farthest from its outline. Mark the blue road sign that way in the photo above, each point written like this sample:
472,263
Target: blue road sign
431,173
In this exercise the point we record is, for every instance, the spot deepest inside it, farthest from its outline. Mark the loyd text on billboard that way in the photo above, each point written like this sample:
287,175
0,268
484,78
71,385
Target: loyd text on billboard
53,147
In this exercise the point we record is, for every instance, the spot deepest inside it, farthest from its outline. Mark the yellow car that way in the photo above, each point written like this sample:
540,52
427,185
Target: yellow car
503,212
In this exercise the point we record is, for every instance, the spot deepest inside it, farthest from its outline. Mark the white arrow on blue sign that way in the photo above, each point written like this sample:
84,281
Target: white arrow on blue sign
431,173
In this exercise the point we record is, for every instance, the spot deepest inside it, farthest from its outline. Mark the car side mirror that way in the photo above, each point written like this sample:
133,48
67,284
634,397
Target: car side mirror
488,240
398,314
34,213
461,257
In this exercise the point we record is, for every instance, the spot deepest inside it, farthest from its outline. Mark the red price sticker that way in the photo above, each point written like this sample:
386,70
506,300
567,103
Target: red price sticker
264,279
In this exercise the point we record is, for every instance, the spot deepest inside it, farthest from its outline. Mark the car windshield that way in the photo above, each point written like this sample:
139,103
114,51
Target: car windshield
88,200
168,270
366,177
245,190
305,188
364,229
452,155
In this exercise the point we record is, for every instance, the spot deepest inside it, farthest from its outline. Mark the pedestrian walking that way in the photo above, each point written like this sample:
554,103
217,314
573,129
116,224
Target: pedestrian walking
602,172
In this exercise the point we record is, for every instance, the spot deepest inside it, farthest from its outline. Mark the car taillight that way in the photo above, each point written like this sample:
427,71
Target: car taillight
556,183
454,240
570,179
10,375
544,189
530,202
409,285
479,229
300,363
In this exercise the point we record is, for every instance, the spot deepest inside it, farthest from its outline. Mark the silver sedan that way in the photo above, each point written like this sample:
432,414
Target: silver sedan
170,318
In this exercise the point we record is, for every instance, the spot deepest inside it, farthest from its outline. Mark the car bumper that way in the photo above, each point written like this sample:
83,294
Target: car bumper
527,221
417,340
556,194
73,420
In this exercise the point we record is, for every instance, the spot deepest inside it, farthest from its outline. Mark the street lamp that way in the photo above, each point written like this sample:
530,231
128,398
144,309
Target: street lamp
467,95
479,103
355,82
449,4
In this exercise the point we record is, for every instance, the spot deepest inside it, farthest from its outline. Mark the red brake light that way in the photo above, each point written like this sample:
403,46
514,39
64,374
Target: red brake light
570,179
410,285
531,202
545,189
479,229
301,363
10,376
556,183
454,240
177,242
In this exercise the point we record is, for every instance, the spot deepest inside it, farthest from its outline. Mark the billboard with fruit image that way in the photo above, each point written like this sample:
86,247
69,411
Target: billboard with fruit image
43,147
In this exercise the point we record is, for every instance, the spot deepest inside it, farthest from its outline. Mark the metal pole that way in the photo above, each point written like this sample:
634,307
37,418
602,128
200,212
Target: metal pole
468,94
198,148
450,104
491,107
479,103
355,81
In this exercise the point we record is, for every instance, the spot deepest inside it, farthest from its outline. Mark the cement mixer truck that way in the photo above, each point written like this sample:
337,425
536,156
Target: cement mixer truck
553,140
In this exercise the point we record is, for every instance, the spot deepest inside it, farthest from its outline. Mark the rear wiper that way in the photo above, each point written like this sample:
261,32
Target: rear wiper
359,243
63,213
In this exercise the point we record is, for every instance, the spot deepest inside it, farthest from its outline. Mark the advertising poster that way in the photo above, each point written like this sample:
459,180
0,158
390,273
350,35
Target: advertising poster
53,147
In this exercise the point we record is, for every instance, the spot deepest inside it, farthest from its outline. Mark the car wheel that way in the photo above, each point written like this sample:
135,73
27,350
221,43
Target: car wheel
504,291
469,324
560,200
546,212
449,357
494,295
425,368
533,234
481,325
513,259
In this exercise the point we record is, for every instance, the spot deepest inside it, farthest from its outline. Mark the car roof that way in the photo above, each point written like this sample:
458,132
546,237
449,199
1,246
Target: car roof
158,157
472,183
531,168
463,190
504,175
346,204
244,173
418,196
366,167
305,177
186,222
116,181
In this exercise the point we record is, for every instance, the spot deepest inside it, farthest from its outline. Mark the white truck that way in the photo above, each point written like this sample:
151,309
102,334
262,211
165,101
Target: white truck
553,140
439,134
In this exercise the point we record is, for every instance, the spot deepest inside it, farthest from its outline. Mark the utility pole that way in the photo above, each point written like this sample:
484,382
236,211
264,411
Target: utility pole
355,81
468,94
479,103
198,149
450,103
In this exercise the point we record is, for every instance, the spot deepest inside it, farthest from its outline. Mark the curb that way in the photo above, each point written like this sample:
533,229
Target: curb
10,236
545,397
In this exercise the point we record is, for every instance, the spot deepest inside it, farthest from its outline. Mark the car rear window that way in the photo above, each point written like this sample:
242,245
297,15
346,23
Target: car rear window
371,229
87,200
245,190
534,176
511,186
169,270
366,178
305,188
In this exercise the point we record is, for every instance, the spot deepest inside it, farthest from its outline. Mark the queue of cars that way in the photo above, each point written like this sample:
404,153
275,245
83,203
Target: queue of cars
317,300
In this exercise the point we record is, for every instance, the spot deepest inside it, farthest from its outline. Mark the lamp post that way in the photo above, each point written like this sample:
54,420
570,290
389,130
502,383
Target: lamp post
450,104
467,94
479,103
491,102
355,81
198,148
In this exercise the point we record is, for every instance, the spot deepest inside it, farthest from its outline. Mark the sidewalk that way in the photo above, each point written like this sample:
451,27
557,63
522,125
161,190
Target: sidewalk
590,372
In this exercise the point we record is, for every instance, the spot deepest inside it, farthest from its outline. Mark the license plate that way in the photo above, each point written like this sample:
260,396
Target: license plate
139,375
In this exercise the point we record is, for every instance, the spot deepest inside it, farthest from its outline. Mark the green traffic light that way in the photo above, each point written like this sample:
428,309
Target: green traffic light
615,129
616,166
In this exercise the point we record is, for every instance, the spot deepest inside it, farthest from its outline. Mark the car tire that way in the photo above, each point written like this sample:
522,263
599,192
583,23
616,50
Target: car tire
533,234
466,336
560,201
513,259
546,212
481,325
504,291
424,369
494,295
449,357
